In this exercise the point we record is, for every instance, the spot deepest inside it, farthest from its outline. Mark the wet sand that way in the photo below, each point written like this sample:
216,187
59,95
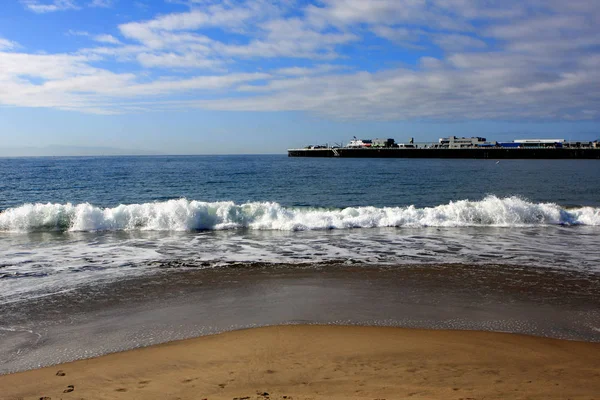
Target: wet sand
328,362
179,303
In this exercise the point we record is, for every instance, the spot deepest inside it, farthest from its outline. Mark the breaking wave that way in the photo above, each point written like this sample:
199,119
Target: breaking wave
188,215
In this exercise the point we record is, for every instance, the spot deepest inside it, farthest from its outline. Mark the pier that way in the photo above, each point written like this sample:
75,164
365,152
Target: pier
475,152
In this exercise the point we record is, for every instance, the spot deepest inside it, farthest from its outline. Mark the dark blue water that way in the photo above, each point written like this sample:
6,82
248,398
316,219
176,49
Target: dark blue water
109,181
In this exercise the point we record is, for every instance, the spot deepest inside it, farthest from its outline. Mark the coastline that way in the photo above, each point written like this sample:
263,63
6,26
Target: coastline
327,362
91,266
174,304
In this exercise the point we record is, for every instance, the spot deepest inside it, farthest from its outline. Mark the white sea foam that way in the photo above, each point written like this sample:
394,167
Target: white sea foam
186,215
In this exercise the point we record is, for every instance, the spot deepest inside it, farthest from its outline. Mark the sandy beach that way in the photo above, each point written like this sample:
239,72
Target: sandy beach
328,362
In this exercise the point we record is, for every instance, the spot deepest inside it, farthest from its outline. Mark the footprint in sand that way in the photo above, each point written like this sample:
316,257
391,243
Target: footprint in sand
120,390
69,389
142,384
60,372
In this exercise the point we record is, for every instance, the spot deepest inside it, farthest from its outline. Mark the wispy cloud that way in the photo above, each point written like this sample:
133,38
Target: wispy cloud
497,93
6,44
41,7
101,3
457,42
72,32
69,82
102,38
173,60
305,71
105,38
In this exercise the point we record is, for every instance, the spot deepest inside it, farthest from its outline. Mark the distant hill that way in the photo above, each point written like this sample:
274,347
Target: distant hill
59,151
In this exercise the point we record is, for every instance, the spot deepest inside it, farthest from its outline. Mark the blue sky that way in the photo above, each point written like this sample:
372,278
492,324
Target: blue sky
231,76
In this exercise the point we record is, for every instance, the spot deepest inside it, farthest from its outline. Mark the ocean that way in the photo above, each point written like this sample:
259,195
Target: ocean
101,254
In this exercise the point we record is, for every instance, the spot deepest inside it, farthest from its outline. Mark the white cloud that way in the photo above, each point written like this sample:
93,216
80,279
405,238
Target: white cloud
102,38
176,40
205,83
195,19
110,39
121,53
458,42
399,34
177,27
72,32
101,3
413,13
173,60
501,59
6,44
45,66
417,38
45,7
436,94
69,82
163,39
316,70
290,37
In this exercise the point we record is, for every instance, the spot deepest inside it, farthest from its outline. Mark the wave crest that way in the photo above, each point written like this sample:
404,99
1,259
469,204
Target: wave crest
187,215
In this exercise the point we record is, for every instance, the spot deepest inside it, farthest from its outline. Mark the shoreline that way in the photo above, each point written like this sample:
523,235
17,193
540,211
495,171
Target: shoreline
181,304
327,362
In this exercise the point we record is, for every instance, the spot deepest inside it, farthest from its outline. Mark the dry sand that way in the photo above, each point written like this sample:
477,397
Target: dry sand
328,362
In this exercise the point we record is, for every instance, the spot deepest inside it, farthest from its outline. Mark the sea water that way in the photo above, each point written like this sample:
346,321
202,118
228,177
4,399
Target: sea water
65,221
74,228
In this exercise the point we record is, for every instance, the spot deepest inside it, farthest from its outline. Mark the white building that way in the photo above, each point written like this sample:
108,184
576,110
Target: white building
454,142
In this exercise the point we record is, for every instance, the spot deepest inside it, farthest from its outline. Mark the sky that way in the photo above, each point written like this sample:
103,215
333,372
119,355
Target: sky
260,76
